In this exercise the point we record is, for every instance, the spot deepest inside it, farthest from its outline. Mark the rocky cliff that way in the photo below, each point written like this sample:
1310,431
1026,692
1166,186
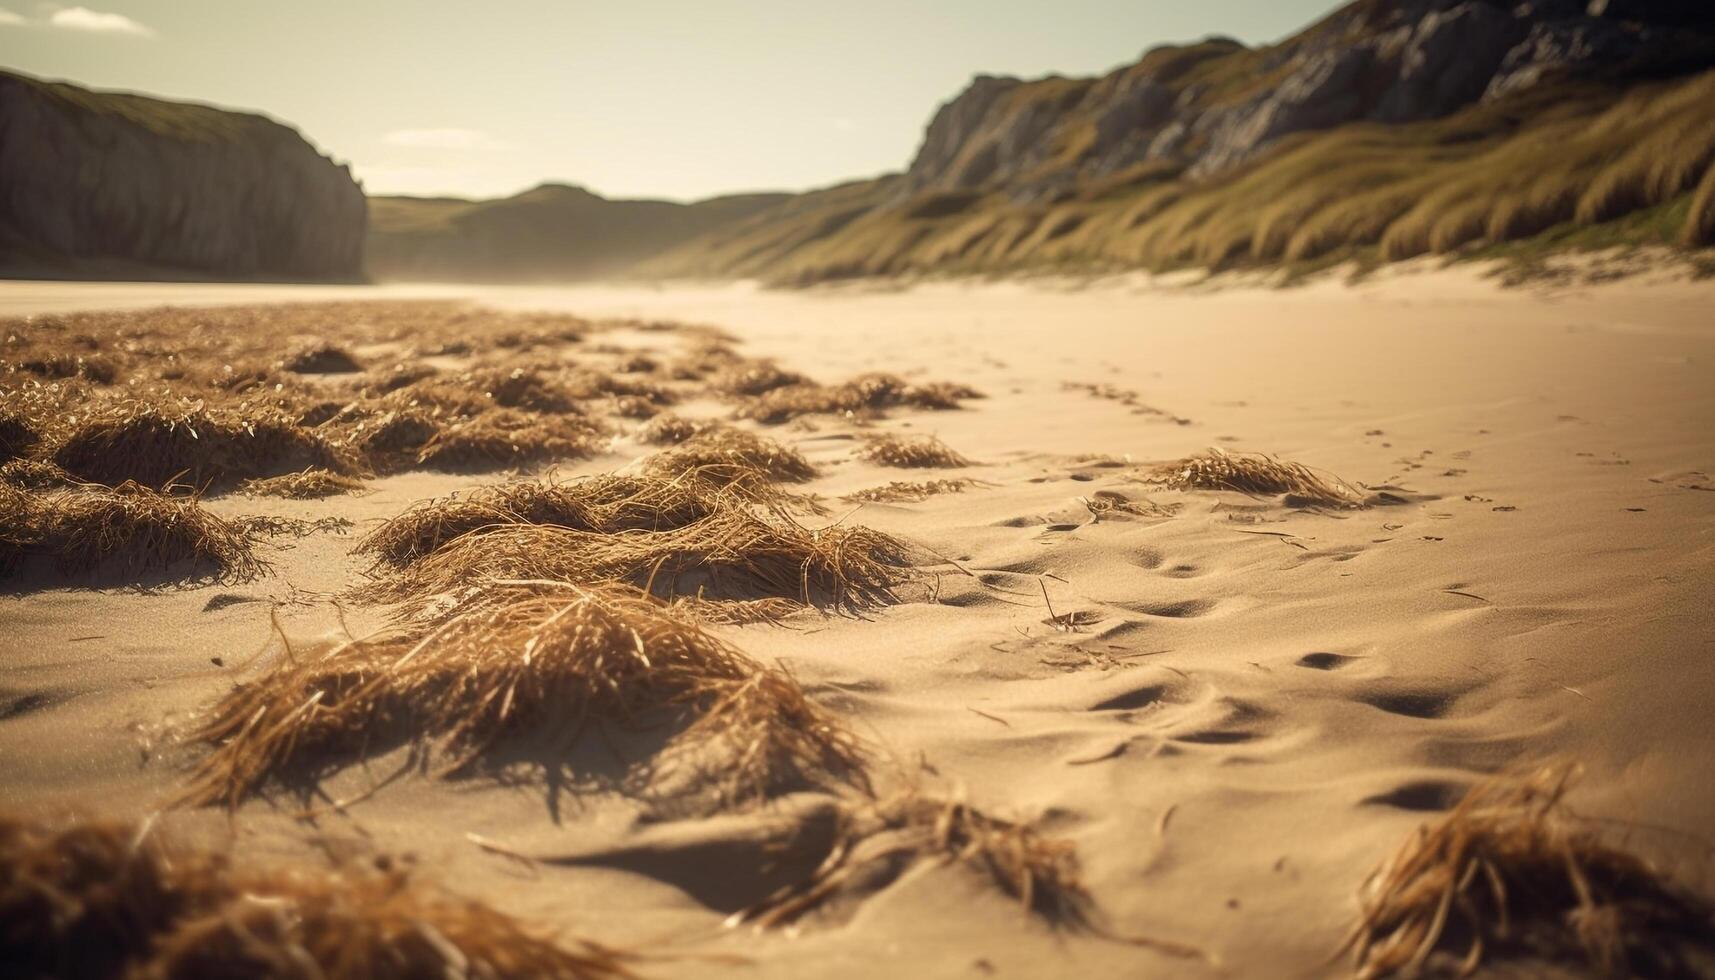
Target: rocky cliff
104,184
1211,106
1389,128
554,232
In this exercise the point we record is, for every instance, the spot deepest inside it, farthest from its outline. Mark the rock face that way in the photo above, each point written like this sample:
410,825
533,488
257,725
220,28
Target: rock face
1210,107
94,182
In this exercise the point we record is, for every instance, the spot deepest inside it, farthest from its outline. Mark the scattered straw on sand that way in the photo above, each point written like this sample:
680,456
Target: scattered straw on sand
539,659
602,504
1111,503
910,452
143,442
1511,871
731,554
665,429
748,463
505,437
321,359
868,396
110,899
1260,476
128,532
308,484
909,491
882,840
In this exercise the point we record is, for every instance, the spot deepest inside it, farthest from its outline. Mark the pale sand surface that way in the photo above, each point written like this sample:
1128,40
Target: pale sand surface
1223,789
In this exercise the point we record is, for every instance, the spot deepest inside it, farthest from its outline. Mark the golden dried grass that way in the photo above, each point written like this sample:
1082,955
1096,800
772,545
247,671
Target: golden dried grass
909,491
305,485
728,456
910,452
323,358
604,504
882,840
502,437
128,532
867,396
105,898
1511,871
1260,475
543,660
155,443
667,429
734,553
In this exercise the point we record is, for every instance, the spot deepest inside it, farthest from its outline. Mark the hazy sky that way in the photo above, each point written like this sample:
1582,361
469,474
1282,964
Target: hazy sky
658,98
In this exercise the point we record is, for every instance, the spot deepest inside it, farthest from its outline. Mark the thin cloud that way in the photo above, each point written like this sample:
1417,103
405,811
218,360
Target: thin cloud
10,19
97,22
444,139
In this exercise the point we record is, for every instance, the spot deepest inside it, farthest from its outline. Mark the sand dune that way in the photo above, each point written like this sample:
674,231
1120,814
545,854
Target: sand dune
1231,706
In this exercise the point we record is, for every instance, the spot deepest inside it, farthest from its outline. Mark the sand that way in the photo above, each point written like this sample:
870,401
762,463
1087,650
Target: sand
1254,703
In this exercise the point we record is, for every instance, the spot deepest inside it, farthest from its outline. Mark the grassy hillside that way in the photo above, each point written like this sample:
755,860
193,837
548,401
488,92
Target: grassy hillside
1568,164
551,232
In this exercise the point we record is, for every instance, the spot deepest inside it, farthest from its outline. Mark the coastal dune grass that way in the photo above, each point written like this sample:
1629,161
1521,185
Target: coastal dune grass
1260,475
1511,871
541,659
128,533
1565,163
107,898
910,452
883,839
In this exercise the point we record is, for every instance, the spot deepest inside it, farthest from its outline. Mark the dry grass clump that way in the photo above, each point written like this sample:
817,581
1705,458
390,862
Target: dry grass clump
543,661
750,378
155,445
601,504
18,435
733,552
868,395
109,899
1106,503
305,485
321,359
64,365
666,429
34,474
917,452
1261,476
1511,871
505,437
127,532
881,841
910,491
731,457
525,388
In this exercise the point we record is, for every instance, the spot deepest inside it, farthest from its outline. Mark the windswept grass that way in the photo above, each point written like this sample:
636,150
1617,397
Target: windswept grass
101,898
599,504
909,491
741,462
1260,476
1510,871
544,660
883,840
865,396
304,485
912,452
128,533
154,446
1558,157
731,554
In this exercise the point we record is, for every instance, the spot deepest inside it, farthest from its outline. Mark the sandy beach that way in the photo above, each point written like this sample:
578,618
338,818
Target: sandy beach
1231,707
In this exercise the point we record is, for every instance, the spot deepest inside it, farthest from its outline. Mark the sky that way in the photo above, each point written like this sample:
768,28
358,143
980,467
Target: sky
639,98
